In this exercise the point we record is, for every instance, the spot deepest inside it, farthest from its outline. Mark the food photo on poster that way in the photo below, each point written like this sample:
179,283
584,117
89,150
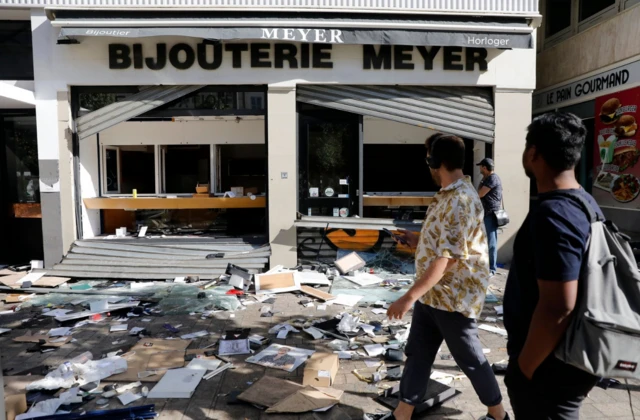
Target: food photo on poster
616,150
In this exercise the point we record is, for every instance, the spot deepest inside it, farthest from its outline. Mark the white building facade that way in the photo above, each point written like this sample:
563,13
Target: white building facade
258,93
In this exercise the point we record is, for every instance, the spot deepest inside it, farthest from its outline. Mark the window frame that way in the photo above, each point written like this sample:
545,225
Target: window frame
103,172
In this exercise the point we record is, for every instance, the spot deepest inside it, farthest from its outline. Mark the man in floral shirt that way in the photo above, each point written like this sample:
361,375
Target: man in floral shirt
452,276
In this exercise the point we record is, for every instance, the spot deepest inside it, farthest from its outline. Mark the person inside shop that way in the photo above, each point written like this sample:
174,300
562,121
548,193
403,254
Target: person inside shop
490,192
452,276
542,285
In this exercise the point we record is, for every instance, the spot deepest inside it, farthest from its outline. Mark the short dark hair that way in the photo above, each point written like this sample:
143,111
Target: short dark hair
559,138
448,149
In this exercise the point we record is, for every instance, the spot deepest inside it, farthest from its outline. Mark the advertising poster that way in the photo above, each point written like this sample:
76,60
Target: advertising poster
615,158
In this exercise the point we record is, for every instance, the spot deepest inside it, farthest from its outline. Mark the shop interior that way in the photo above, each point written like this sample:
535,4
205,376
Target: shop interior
196,165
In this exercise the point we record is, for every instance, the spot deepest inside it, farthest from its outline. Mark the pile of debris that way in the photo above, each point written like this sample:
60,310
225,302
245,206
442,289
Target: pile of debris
164,353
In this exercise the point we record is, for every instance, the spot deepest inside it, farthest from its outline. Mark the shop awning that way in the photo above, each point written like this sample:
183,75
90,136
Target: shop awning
131,107
336,28
465,112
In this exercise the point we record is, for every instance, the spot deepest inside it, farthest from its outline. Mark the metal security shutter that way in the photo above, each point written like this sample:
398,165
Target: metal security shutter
465,112
131,107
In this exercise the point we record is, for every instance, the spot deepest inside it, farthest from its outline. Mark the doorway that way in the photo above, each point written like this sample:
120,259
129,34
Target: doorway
329,156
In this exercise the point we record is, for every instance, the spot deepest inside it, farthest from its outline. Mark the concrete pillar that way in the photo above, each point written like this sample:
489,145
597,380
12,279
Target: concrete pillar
282,152
513,115
54,145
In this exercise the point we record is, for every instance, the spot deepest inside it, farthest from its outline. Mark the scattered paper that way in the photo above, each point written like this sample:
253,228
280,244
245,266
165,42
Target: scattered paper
32,277
322,307
364,279
491,319
368,328
281,357
128,397
206,364
57,312
282,334
59,332
486,351
119,327
492,329
339,345
136,330
194,335
379,311
312,277
372,363
499,309
314,332
374,349
345,300
4,330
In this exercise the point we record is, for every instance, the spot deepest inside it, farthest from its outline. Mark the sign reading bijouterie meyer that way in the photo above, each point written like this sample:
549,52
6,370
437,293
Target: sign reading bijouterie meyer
210,56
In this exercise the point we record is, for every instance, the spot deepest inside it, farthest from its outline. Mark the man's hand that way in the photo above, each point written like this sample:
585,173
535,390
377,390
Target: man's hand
400,307
411,239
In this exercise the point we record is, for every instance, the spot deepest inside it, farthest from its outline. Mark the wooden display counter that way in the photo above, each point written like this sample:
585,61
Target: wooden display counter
396,201
157,203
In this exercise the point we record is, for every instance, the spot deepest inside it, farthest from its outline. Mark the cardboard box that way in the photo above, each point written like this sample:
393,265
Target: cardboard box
321,370
15,405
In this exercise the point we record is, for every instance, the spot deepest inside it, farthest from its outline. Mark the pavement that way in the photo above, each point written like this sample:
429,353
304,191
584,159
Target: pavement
210,398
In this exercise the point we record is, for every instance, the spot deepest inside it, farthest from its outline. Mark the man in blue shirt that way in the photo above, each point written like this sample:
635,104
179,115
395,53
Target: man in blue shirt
542,286
490,192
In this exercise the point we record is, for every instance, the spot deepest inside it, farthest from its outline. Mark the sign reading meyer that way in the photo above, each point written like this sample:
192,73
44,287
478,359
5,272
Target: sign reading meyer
210,56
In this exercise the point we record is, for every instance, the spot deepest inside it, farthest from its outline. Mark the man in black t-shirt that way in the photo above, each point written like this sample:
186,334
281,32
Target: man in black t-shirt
542,286
490,192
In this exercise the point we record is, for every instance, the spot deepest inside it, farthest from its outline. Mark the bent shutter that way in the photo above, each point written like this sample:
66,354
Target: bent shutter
465,112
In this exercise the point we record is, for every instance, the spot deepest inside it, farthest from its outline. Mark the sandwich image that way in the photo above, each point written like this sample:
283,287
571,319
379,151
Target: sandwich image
626,126
625,157
608,111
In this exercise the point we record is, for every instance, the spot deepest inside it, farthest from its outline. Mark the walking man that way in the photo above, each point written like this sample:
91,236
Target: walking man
490,192
542,286
452,275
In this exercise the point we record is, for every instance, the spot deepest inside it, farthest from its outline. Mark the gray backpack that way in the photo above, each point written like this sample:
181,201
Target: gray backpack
604,335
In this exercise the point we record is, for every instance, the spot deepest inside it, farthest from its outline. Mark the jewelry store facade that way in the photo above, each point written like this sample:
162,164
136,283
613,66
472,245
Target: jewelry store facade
271,114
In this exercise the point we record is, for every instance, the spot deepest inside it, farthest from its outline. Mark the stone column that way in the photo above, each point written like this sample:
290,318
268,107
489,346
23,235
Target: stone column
282,152
513,115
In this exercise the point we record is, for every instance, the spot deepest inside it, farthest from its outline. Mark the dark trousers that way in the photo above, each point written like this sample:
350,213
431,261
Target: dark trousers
556,391
429,327
491,225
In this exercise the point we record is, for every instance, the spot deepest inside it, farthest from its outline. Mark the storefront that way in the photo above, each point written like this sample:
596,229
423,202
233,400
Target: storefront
607,102
270,118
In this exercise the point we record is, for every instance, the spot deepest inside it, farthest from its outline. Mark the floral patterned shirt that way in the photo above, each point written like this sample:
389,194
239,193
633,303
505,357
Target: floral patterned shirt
453,228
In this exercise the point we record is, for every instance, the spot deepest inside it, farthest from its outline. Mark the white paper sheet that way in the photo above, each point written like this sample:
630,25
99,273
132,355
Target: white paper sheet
492,329
364,279
499,309
32,277
206,364
119,327
374,349
177,383
128,397
57,312
379,311
59,332
345,300
194,335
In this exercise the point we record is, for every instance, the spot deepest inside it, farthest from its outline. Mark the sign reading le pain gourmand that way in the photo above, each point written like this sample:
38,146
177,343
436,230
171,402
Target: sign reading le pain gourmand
210,56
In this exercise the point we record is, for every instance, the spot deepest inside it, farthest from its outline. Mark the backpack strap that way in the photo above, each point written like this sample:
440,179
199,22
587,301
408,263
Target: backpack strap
592,215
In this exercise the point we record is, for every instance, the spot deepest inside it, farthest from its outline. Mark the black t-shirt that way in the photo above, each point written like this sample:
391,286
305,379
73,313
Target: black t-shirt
549,246
493,199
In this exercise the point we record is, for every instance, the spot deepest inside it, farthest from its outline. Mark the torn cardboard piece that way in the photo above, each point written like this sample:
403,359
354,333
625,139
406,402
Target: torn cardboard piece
268,391
177,383
15,280
318,294
321,370
308,399
349,263
276,283
153,355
